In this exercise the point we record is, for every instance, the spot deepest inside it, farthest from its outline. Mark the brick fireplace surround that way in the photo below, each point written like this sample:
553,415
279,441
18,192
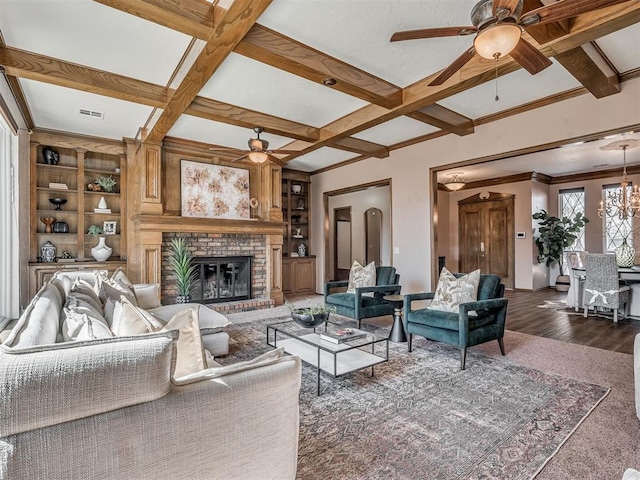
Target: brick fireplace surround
223,245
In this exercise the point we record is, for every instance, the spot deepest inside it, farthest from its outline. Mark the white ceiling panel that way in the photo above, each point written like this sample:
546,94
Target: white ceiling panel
58,108
323,157
94,35
207,131
514,89
358,33
622,48
395,131
247,83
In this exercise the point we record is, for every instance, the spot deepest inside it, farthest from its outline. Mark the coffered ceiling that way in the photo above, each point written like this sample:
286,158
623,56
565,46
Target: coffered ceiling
209,73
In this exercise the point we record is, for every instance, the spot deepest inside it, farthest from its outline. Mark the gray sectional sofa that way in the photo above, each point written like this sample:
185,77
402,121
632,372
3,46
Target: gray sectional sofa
111,407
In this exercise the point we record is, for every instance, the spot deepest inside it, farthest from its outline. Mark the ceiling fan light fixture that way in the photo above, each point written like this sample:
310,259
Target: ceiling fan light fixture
258,157
497,41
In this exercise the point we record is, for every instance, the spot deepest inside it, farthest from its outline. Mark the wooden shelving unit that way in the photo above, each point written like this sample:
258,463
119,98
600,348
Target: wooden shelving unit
298,272
76,168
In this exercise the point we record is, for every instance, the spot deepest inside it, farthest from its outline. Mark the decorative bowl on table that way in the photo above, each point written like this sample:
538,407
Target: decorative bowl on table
58,202
309,320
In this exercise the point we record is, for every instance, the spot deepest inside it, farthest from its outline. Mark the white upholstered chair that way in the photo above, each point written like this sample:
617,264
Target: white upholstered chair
602,285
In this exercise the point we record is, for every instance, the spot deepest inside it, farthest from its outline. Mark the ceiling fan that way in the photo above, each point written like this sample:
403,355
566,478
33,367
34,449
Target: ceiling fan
258,150
498,26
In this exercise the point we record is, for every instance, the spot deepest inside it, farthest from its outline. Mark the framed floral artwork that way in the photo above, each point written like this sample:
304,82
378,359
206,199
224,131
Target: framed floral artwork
214,191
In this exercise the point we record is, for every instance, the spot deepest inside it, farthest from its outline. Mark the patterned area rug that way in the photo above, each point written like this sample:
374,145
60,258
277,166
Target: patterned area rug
420,417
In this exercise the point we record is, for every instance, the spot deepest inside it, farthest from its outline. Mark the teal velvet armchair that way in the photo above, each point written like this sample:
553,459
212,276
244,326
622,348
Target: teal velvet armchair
359,306
475,323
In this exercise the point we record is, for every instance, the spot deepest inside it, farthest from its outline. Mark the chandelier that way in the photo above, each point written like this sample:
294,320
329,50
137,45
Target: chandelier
623,204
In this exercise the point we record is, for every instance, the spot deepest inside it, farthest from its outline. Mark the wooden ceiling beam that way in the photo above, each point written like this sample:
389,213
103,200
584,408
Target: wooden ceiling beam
549,31
192,17
64,74
270,47
242,117
267,46
586,28
444,119
579,64
230,29
363,147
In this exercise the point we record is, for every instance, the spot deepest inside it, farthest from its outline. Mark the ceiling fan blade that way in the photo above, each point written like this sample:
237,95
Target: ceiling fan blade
454,67
240,157
566,9
277,161
506,4
529,57
432,33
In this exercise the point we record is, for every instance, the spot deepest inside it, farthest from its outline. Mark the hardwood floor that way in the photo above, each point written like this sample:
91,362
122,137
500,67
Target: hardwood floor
524,315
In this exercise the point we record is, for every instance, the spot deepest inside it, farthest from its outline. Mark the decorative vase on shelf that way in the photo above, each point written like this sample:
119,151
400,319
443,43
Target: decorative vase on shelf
101,252
102,203
625,254
48,252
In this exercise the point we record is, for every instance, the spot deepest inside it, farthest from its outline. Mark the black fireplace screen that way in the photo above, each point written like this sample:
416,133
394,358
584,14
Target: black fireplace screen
221,279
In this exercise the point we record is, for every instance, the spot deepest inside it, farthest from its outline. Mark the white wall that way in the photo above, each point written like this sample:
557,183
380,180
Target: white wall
360,202
409,170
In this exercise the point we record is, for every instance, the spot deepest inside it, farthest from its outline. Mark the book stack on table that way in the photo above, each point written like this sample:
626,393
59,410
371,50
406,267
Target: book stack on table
340,335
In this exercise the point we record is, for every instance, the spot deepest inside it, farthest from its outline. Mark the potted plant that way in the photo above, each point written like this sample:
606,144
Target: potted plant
180,262
94,230
555,235
310,316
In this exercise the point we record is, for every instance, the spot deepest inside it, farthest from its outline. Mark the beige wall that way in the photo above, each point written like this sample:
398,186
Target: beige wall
409,170
540,276
522,219
360,202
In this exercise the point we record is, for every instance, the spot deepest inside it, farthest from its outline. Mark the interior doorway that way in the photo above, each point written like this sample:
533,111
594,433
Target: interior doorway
486,235
373,235
342,242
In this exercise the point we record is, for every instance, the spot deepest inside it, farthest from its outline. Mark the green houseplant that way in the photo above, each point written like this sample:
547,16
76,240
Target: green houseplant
107,183
184,271
555,235
310,316
95,230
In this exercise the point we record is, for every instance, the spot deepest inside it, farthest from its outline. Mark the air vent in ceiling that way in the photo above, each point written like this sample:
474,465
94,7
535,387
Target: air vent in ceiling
91,114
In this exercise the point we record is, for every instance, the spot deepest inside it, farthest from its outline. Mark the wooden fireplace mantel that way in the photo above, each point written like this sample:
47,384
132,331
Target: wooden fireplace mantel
178,224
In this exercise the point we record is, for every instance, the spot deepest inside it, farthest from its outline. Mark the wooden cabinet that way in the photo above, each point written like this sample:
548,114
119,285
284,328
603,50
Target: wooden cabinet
299,275
77,166
298,272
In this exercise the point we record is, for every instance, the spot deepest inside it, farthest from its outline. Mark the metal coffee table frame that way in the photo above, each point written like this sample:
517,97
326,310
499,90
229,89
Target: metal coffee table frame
335,359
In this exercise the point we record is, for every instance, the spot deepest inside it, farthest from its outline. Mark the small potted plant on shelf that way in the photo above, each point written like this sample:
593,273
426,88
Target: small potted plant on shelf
310,316
95,230
180,263
105,183
555,235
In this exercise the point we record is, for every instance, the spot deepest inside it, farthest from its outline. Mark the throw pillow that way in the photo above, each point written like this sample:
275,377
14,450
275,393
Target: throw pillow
219,371
190,356
452,291
114,290
80,327
119,276
148,295
129,319
360,276
84,287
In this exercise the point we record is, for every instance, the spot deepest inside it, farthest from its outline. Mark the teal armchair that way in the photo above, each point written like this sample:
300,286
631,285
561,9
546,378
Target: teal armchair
475,323
359,306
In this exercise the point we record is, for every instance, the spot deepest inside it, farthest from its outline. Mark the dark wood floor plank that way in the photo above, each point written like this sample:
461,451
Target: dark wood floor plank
524,315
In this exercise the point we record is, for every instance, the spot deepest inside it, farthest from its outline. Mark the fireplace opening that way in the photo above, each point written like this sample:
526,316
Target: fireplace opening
221,279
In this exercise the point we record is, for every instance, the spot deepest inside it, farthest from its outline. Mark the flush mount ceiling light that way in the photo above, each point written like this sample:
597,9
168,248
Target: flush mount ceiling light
456,183
624,203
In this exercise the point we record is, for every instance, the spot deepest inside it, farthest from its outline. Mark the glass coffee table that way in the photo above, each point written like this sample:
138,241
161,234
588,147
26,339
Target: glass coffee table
356,351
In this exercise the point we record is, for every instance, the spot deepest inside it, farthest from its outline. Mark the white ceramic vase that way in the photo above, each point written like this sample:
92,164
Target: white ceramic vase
102,203
101,252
